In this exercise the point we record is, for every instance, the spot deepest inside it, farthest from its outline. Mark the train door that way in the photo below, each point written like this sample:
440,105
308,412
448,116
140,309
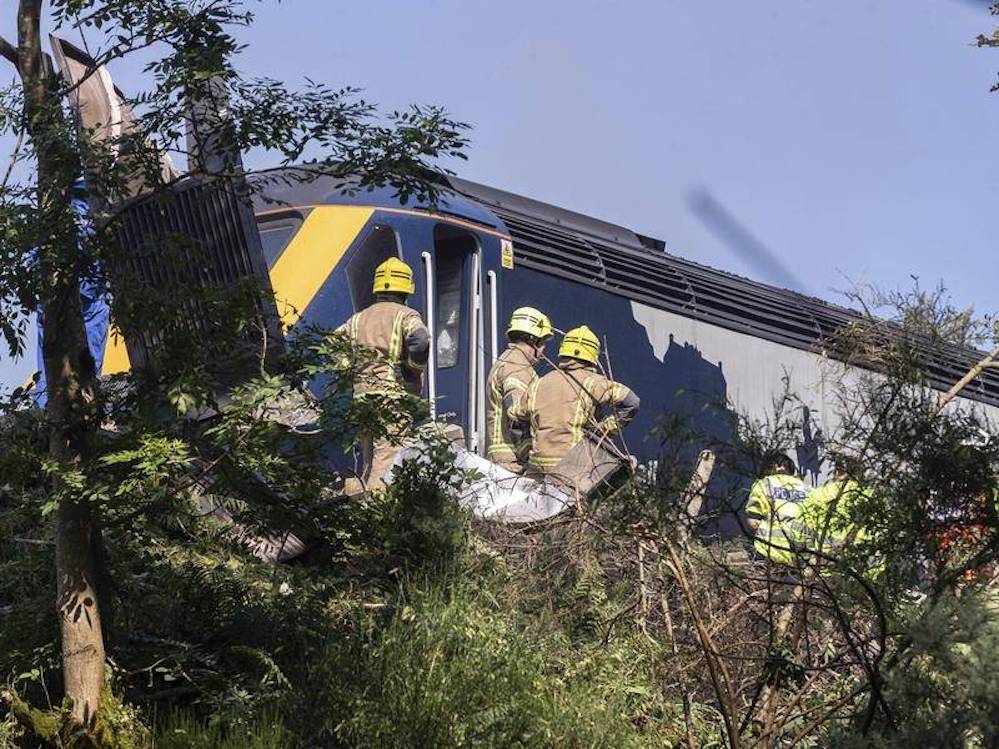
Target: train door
455,380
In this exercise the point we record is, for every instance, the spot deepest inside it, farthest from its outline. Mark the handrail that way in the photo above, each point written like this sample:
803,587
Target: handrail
472,439
494,339
479,352
428,280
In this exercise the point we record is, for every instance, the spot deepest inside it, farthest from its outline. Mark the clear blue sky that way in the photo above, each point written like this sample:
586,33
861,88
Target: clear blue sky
857,140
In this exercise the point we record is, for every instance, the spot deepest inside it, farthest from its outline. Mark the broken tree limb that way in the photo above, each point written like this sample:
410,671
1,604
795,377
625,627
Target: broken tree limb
693,495
988,362
688,713
720,679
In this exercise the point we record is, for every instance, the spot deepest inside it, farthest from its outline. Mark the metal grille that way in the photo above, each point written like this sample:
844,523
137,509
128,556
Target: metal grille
201,233
553,249
629,273
740,304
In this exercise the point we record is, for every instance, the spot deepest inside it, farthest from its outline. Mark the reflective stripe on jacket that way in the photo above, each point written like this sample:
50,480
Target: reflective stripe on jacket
565,403
397,334
507,385
775,503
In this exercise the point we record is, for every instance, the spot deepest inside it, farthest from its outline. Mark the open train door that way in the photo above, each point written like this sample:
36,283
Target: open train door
453,311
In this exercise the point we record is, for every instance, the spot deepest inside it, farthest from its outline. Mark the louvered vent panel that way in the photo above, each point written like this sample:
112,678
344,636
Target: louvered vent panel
553,249
657,283
756,310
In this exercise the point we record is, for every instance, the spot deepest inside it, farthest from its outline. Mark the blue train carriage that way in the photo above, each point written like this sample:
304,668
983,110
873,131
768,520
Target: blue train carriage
695,343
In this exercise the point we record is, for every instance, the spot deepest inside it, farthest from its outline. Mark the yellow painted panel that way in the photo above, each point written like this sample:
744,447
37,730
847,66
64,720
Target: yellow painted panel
312,255
115,354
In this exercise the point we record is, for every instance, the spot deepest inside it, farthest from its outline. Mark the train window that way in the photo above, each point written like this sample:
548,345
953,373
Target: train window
276,233
449,276
379,245
452,247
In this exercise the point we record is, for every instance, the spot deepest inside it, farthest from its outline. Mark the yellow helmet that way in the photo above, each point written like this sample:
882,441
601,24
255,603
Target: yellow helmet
394,275
531,321
580,343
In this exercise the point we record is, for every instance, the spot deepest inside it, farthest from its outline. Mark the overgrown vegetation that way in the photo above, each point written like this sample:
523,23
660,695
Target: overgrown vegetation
115,459
407,623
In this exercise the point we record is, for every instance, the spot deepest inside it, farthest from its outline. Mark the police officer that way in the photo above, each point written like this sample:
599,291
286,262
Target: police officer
400,344
509,379
827,512
573,401
773,509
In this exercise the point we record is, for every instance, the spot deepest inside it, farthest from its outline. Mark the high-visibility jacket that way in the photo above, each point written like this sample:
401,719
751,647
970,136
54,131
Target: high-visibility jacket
775,504
827,515
566,403
506,386
402,343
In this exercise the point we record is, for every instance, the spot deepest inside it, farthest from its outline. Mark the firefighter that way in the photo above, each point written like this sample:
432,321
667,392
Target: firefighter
774,507
573,402
509,378
400,345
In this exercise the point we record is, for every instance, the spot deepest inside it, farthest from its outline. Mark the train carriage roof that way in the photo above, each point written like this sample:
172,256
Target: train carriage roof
603,255
296,187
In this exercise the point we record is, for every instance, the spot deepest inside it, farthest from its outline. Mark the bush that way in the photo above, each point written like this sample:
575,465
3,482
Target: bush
949,694
420,521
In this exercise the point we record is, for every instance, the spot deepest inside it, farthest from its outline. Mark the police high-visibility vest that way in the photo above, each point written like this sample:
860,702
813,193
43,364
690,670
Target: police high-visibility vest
827,515
775,503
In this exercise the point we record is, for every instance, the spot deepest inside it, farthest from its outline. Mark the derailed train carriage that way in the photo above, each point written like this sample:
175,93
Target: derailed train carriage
693,342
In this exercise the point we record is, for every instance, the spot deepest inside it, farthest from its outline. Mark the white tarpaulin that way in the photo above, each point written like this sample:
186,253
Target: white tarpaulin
506,497
497,494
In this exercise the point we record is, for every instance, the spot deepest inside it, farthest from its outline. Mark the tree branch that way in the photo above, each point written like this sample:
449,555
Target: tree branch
8,51
976,370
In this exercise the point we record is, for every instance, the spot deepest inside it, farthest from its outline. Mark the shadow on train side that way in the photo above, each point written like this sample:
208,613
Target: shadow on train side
810,451
684,396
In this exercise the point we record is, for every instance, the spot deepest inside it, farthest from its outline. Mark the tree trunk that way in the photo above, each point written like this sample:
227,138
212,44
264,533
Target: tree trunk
71,382
79,614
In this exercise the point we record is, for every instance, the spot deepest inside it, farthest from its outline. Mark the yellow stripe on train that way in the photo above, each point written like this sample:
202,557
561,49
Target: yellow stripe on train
115,354
312,254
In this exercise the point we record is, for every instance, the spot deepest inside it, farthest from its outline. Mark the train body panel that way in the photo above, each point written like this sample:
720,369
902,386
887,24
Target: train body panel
695,343
684,370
